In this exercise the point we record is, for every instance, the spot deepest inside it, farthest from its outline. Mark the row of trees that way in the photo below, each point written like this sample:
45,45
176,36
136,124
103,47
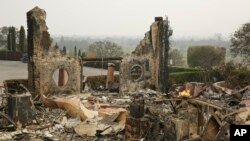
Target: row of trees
79,54
13,39
97,49
64,50
197,56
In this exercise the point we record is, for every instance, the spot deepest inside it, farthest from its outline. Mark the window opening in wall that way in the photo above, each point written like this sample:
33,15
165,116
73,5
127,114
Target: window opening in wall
60,77
136,72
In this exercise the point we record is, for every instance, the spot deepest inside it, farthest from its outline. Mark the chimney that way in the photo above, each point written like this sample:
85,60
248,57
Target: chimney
110,75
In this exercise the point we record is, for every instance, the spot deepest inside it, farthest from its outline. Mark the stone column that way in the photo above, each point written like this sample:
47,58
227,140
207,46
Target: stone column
38,42
163,49
110,75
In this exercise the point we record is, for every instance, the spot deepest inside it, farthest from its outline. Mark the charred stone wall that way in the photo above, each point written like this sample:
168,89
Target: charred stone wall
44,60
147,67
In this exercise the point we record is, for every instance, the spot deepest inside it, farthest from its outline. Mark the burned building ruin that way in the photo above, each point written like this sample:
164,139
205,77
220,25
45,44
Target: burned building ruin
145,109
147,67
44,60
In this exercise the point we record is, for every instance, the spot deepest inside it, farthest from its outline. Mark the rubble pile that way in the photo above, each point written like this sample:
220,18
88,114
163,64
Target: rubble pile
64,118
205,113
43,109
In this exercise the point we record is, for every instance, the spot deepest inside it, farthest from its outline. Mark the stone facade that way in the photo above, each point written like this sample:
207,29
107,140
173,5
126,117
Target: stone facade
147,67
44,60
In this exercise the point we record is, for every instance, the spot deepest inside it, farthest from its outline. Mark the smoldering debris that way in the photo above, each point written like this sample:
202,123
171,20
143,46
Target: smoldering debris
144,109
147,115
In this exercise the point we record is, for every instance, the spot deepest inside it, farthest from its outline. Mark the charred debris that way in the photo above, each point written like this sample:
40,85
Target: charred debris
138,105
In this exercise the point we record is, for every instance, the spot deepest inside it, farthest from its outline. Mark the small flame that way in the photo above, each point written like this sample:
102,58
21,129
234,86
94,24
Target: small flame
184,93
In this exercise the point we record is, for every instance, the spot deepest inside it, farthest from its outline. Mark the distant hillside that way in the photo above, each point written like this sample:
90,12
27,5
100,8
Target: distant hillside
183,44
130,43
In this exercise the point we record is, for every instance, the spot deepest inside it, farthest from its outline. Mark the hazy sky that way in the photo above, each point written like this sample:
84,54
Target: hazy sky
188,18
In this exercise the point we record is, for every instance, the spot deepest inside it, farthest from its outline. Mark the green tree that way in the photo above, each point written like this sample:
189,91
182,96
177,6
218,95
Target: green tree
83,54
177,58
240,42
4,36
64,51
106,49
8,43
12,39
56,46
22,38
75,52
205,56
79,53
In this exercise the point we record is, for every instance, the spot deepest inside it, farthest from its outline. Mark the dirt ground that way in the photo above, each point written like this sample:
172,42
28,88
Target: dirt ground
18,70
